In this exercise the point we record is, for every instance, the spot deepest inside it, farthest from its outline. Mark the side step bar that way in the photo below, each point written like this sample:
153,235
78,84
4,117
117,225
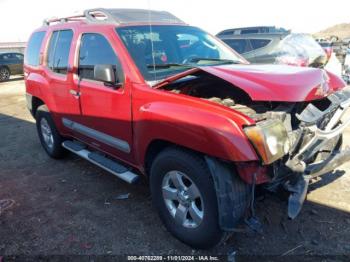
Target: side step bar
107,164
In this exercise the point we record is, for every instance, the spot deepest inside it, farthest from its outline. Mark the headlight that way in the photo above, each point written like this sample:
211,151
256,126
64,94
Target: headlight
270,139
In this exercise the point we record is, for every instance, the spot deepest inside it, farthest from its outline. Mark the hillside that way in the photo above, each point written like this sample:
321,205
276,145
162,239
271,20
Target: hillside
341,30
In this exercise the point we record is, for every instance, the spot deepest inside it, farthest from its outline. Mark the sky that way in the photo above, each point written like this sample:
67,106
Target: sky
20,17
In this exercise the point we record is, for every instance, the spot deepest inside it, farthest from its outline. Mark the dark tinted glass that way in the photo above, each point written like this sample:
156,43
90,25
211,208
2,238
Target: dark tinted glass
96,50
259,43
227,32
241,46
33,48
19,57
58,52
325,44
5,57
249,31
51,50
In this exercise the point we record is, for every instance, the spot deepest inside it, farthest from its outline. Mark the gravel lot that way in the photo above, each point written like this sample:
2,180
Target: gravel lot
70,206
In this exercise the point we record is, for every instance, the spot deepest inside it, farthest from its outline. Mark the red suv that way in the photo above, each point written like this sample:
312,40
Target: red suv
140,92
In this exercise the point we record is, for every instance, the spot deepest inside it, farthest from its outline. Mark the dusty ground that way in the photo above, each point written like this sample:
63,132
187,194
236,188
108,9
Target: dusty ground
69,206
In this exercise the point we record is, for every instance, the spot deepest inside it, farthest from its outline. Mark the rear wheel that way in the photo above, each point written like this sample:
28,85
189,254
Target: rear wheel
4,74
183,193
49,137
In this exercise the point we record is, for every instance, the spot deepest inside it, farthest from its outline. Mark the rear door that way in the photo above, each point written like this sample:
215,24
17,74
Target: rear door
19,63
106,109
9,60
62,94
15,62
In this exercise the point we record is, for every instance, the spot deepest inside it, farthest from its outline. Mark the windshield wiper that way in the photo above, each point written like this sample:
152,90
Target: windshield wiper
222,61
167,65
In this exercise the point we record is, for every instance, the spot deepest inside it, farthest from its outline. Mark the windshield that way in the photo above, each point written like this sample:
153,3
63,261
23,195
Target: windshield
175,49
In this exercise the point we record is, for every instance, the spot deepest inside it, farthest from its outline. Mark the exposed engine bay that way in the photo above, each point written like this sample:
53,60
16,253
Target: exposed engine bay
303,139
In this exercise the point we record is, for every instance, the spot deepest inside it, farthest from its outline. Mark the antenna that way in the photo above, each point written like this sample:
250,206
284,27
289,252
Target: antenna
151,38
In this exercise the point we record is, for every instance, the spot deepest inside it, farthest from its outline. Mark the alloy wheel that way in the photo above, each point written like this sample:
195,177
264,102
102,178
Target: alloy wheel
183,199
46,133
4,74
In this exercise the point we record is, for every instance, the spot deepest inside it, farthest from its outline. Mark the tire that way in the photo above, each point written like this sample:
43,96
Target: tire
4,74
192,169
49,137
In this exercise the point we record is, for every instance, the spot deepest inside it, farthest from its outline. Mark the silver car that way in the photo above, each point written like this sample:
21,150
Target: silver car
271,45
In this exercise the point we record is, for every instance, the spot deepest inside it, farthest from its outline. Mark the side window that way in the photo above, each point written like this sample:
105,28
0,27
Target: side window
259,43
19,57
96,50
51,50
5,57
241,46
249,31
58,52
33,48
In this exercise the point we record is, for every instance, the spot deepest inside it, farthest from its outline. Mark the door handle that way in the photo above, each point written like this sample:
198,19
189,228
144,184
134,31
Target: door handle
74,93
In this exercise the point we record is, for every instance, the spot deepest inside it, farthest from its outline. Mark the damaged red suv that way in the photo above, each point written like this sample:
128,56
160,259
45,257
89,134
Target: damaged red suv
139,92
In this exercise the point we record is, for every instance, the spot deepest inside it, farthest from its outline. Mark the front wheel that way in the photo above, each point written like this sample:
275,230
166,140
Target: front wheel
183,193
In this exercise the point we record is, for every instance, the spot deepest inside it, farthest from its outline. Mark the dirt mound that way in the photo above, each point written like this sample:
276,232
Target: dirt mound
341,30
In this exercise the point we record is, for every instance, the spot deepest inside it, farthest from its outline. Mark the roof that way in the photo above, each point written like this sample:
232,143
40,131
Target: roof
253,30
120,17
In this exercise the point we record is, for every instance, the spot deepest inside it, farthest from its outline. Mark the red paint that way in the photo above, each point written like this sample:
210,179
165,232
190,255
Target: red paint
246,171
140,115
276,82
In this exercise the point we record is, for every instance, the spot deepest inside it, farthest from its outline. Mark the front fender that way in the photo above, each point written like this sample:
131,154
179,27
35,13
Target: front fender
196,128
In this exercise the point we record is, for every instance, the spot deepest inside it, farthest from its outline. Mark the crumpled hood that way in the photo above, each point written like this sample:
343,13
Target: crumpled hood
278,82
273,82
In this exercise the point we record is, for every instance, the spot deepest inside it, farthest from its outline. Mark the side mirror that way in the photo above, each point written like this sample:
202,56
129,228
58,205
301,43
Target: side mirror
105,73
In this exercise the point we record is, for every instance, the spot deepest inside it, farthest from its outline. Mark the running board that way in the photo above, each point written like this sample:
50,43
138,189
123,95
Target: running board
99,160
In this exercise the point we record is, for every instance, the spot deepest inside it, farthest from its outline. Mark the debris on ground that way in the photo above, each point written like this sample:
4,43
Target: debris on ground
122,196
291,250
6,204
117,197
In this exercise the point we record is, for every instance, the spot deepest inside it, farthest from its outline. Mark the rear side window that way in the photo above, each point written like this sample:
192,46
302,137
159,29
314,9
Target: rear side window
96,50
241,46
259,43
33,48
19,56
58,52
249,31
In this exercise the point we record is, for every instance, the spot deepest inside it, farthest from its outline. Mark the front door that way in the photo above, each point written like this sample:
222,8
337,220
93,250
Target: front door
106,108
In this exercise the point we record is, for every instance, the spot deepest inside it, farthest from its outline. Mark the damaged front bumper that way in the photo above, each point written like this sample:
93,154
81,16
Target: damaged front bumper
316,150
313,139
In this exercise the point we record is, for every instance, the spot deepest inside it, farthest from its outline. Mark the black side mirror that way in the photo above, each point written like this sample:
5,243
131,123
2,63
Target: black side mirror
106,74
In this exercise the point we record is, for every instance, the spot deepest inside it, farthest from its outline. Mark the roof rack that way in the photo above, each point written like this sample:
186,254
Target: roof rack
62,19
118,16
